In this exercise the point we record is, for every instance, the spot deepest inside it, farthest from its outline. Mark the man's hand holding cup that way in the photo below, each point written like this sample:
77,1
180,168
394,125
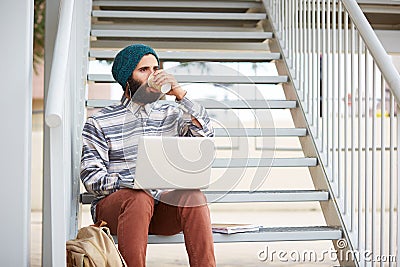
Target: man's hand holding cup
166,83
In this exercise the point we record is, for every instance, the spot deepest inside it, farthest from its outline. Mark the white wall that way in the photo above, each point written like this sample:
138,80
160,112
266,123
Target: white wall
16,18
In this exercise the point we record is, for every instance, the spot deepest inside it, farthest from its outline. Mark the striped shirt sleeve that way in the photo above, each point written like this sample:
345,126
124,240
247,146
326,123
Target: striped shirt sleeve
95,161
192,109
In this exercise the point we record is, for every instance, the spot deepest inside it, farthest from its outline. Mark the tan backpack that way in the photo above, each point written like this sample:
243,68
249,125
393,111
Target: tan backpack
94,247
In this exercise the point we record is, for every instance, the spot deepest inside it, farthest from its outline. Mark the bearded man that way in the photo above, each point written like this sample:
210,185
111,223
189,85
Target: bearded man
110,140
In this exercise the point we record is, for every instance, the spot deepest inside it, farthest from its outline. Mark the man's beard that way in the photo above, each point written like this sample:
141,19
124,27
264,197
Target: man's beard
139,92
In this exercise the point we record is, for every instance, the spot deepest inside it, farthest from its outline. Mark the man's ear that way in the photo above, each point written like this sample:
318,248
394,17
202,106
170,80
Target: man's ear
127,91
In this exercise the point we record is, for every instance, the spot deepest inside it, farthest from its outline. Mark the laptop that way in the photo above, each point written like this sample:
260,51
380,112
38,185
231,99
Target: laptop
174,162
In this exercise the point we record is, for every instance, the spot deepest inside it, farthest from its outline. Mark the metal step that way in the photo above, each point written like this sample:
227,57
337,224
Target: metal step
220,79
182,4
266,196
199,56
246,196
182,34
177,15
191,27
263,162
259,132
184,45
248,104
267,234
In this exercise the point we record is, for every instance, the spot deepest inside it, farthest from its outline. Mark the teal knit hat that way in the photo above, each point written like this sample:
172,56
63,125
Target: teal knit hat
126,61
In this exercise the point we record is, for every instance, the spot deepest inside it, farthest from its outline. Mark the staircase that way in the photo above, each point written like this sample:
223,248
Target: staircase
287,85
219,36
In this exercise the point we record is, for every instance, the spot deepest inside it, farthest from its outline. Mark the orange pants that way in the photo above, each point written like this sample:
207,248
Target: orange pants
132,214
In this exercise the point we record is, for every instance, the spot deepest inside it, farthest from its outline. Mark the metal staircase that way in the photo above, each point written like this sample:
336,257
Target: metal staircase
221,31
278,74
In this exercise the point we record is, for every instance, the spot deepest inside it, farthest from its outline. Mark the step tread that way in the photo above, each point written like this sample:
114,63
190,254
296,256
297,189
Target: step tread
181,34
160,26
266,196
246,196
185,45
199,55
263,162
178,15
234,104
259,132
190,4
305,233
208,79
248,104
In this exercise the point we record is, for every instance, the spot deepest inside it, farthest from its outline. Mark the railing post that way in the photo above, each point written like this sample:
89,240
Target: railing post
58,159
52,8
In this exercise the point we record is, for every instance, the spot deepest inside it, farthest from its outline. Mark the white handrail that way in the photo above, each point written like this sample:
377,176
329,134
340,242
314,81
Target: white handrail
375,46
59,67
57,119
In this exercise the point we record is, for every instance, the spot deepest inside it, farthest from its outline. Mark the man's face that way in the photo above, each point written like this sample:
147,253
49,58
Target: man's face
139,90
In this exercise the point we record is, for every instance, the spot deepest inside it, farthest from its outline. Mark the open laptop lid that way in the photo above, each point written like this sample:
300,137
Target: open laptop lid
174,162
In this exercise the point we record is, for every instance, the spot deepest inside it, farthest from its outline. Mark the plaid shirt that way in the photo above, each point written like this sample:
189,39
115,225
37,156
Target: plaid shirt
111,136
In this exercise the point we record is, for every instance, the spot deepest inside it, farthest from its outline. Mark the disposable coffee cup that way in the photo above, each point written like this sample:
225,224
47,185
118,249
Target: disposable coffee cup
165,88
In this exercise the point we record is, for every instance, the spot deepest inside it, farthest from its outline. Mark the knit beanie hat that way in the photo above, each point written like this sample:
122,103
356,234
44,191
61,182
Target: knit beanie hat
126,61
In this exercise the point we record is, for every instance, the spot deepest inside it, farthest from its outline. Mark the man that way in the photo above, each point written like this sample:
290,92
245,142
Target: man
110,140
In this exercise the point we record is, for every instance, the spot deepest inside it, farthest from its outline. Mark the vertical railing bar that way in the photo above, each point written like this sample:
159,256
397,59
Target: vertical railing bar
353,132
391,178
293,26
305,71
296,37
301,51
312,62
287,31
334,94
318,69
280,16
398,186
329,89
340,86
383,163
308,67
366,142
274,13
313,66
280,20
285,25
373,159
360,189
304,50
288,19
346,110
289,22
291,39
324,80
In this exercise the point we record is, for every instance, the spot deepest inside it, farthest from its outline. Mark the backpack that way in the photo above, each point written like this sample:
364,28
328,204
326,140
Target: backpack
94,247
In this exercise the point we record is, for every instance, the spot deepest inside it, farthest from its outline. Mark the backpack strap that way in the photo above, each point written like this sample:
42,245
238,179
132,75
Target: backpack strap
101,224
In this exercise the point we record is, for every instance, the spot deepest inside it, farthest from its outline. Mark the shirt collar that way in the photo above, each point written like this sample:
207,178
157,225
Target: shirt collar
134,107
